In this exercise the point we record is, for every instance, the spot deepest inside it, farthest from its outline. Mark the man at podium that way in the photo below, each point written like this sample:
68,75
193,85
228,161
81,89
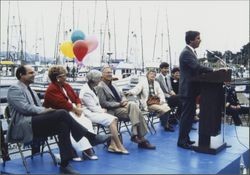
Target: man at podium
188,90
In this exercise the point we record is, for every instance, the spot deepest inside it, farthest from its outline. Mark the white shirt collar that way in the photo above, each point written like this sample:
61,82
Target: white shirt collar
164,75
191,48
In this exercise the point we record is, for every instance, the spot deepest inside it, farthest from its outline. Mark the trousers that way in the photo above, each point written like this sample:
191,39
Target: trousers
60,123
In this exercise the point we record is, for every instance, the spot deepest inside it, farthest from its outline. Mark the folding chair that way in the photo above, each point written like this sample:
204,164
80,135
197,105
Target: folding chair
22,147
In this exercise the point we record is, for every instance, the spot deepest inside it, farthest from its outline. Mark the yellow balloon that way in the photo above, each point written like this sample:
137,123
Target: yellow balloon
67,49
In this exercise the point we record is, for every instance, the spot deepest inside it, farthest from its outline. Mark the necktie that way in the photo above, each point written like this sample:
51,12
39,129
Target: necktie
195,53
115,93
166,80
33,96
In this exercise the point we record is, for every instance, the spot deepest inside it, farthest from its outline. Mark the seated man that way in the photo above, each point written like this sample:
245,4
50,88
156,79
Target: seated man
233,106
29,120
112,99
164,80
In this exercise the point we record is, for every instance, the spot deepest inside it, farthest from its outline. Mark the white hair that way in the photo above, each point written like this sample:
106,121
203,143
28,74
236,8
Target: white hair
94,75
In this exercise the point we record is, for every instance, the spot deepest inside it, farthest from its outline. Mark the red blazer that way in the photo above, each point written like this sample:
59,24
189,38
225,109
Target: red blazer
56,98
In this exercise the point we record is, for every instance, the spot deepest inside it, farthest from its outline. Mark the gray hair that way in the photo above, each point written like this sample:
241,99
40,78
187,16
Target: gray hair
94,75
106,67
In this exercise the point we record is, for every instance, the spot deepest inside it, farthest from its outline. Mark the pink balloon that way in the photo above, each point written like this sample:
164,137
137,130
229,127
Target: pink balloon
80,49
91,42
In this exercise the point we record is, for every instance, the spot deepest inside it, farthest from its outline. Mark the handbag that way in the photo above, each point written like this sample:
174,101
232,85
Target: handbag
153,100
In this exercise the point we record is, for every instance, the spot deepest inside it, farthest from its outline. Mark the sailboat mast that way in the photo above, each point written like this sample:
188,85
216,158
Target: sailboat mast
21,37
44,55
156,28
8,33
128,36
94,17
73,7
142,56
56,55
115,36
169,47
105,30
162,44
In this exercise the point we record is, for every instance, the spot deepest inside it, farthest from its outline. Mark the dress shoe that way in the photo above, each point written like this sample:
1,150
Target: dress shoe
190,142
99,139
135,139
89,155
68,170
185,146
146,145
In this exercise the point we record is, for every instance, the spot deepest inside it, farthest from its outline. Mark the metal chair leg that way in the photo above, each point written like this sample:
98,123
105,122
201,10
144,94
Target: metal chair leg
23,158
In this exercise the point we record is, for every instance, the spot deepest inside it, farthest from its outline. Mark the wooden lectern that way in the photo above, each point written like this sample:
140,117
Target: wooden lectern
212,103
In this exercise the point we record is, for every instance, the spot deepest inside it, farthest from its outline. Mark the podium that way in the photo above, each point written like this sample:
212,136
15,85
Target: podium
212,105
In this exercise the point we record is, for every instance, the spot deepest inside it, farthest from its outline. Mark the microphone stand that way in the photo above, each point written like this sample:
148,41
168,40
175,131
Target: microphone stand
224,117
221,61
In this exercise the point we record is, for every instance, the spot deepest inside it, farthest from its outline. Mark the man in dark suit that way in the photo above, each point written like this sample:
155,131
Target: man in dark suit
188,90
112,99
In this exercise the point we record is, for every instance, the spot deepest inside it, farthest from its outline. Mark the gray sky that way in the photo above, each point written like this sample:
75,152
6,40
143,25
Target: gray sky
224,25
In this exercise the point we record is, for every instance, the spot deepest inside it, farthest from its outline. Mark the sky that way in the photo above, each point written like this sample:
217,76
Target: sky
224,25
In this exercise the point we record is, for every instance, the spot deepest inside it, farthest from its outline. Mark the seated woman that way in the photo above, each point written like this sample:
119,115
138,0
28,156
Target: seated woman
60,95
148,88
97,114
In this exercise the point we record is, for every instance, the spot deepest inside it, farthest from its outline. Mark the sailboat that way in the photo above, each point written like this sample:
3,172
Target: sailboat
14,54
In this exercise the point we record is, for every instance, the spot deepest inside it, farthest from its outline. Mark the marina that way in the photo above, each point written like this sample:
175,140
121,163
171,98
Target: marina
132,38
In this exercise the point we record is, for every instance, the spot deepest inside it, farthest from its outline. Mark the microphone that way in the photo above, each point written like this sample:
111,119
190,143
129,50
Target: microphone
216,58
210,52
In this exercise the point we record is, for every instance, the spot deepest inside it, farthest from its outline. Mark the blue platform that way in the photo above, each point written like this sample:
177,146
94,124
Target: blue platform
166,159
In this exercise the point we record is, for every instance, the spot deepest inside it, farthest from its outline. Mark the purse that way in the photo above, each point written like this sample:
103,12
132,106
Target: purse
153,100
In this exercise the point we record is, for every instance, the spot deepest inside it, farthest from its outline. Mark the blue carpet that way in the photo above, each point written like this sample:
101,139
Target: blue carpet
166,159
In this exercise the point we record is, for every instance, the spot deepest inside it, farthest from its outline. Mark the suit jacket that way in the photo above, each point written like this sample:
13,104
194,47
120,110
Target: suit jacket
142,88
166,89
90,100
57,99
231,96
107,98
22,108
189,68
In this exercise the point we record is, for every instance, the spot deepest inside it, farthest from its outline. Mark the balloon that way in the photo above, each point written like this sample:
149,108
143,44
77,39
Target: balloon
77,35
80,49
67,49
92,43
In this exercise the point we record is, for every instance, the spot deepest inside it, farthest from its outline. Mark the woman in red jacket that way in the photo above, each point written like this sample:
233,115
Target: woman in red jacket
60,95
